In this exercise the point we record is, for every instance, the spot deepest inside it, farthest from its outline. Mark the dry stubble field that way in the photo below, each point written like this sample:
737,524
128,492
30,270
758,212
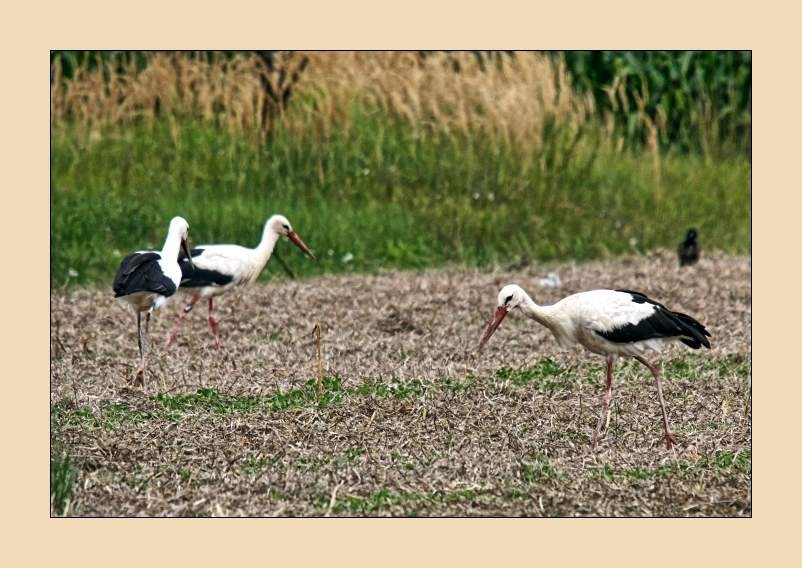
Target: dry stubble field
409,421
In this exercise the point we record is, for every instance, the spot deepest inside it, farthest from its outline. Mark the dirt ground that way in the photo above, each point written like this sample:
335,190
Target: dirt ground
416,423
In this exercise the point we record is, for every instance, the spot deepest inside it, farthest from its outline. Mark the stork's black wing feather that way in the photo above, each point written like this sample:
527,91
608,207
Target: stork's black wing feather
140,272
662,323
194,277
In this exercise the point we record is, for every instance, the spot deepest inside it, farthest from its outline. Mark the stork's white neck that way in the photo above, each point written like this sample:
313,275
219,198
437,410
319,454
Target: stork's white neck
542,314
267,244
172,244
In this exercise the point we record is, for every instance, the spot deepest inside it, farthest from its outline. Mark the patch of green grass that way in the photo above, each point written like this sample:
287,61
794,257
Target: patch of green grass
398,390
725,461
678,368
111,415
332,392
424,200
63,477
381,499
692,366
64,413
536,471
210,400
606,471
545,375
118,414
458,386
353,454
256,464
637,473
386,499
114,415
740,461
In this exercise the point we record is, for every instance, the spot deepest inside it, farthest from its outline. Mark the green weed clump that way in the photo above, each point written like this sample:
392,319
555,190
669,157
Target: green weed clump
63,476
544,375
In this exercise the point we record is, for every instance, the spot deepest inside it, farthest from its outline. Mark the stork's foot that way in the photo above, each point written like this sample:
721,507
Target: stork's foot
671,441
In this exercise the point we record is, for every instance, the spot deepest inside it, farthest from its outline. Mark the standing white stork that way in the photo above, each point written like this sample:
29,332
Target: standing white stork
215,269
609,323
145,279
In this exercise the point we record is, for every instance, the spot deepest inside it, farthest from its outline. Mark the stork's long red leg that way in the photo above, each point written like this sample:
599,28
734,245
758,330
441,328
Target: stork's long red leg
607,396
213,325
670,441
188,308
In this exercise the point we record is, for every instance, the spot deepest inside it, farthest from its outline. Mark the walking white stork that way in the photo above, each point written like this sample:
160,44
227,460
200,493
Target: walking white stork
146,279
215,269
610,323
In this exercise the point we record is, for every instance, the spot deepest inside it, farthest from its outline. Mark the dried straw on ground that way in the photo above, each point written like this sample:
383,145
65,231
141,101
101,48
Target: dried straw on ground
490,447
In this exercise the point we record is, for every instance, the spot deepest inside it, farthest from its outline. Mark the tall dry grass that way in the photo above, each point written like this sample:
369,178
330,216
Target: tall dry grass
509,99
172,86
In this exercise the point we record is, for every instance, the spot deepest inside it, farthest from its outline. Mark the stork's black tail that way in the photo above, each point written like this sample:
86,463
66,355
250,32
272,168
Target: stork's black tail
697,332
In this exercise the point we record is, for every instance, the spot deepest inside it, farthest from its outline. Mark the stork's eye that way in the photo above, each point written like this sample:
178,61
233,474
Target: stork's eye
508,299
287,227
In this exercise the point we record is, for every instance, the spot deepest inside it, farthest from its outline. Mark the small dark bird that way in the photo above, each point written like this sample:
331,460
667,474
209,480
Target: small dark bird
688,250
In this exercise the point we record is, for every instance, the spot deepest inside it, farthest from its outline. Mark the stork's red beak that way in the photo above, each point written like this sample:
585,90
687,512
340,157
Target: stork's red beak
185,247
501,313
296,240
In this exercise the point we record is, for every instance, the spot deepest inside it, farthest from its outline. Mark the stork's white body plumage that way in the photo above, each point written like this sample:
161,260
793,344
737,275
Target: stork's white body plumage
216,269
242,264
612,323
580,317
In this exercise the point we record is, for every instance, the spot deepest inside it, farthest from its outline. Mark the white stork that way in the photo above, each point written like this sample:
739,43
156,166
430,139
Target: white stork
215,269
146,279
610,323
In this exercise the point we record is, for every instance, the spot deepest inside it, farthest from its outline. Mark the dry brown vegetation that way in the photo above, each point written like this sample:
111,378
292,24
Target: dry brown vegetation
419,424
510,99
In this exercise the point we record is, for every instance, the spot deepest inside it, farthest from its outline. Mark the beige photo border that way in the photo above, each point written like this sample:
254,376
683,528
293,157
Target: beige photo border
31,29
